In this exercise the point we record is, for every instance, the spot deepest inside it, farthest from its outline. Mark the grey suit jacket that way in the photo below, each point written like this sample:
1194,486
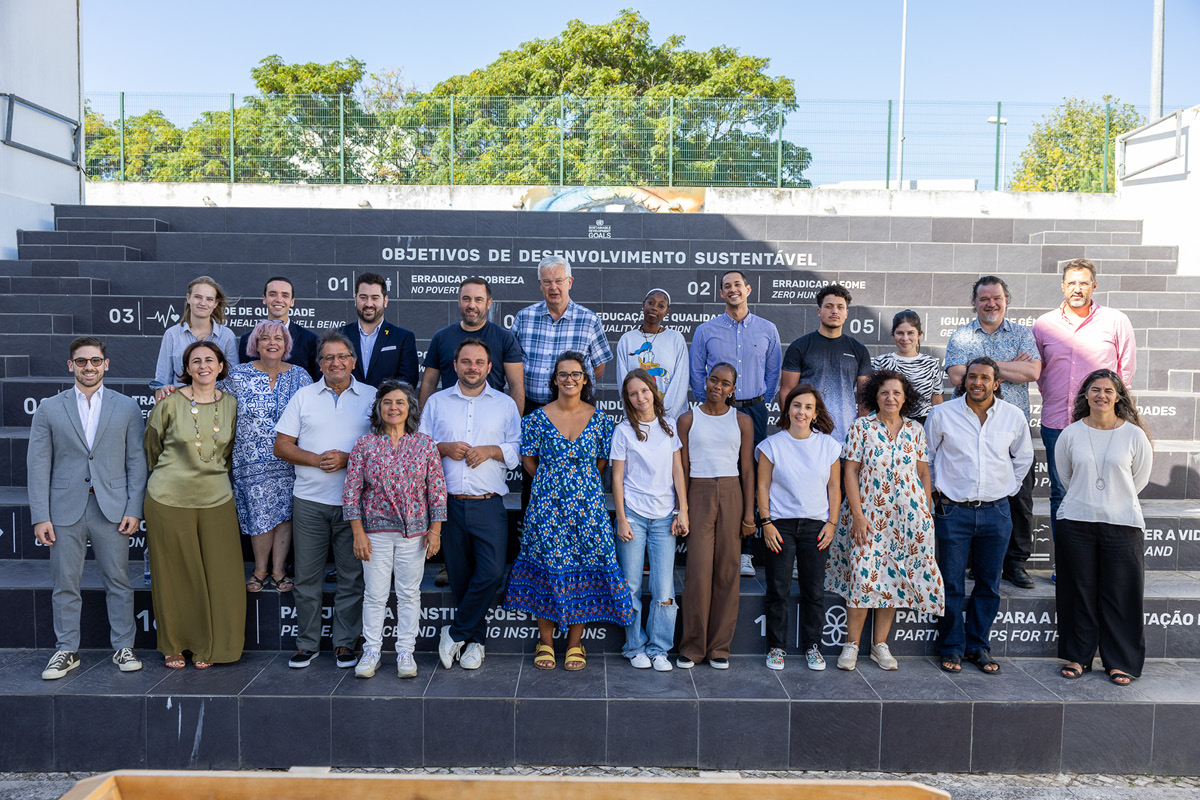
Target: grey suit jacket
62,469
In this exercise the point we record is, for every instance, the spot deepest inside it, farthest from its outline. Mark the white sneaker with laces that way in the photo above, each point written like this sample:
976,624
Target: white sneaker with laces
366,666
747,566
472,657
882,656
849,657
814,658
448,649
640,661
661,663
406,667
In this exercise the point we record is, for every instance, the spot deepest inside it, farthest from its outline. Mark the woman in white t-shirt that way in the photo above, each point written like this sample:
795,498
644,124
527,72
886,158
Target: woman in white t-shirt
651,503
923,371
799,494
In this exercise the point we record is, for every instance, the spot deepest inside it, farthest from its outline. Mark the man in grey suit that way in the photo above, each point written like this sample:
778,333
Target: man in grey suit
87,481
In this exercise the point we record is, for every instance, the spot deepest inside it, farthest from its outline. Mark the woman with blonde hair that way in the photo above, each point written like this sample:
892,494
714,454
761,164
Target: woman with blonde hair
203,320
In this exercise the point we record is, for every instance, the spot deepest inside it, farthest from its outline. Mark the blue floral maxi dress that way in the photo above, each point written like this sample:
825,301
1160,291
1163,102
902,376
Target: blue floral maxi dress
567,568
262,483
896,568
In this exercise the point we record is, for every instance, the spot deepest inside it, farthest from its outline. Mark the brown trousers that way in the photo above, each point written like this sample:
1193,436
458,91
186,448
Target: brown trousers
714,549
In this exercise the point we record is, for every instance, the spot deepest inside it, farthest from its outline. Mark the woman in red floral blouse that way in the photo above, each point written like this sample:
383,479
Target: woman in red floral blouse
395,502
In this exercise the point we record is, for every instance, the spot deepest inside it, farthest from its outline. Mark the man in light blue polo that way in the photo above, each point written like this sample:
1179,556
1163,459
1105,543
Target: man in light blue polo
316,432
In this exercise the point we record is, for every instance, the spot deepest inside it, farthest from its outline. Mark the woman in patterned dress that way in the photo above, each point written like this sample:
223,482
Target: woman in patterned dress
882,556
262,483
566,573
923,371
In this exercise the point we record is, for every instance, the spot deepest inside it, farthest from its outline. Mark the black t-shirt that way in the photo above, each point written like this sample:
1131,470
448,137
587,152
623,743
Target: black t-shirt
504,346
834,367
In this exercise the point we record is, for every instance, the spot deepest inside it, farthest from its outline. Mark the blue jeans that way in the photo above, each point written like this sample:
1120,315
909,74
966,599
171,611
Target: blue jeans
1057,490
982,533
653,535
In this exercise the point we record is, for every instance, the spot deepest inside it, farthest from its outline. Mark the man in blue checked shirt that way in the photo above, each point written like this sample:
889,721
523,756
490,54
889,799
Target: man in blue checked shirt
553,326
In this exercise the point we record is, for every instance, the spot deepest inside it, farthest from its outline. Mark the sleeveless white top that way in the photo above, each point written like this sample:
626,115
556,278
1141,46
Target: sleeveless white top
714,444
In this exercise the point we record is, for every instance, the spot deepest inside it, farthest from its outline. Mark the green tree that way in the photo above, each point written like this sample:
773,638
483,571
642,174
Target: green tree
600,95
1066,149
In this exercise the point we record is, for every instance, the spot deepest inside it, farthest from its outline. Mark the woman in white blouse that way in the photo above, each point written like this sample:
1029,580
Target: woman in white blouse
1103,459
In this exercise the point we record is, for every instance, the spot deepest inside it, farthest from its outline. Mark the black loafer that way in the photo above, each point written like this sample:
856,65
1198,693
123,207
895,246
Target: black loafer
1018,577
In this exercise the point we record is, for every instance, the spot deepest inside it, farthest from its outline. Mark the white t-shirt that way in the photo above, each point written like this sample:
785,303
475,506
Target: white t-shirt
649,485
800,475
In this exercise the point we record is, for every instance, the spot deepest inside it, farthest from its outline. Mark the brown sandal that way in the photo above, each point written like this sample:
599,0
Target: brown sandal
256,582
283,583
176,662
576,659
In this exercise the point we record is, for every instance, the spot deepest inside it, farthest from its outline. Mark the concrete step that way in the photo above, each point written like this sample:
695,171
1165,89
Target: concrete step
14,367
47,285
78,252
1086,237
35,323
1183,380
90,223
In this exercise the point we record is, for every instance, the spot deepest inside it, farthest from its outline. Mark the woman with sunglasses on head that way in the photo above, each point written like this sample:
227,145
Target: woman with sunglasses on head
566,573
923,371
1103,459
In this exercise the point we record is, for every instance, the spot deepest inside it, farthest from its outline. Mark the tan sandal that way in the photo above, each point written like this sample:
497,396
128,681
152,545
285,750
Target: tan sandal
576,659
176,662
543,657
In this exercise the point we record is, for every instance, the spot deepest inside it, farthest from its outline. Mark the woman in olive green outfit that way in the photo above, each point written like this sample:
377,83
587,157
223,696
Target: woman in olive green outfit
191,523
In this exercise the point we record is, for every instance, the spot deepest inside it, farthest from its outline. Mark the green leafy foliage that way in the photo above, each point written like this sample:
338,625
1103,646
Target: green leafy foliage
1066,150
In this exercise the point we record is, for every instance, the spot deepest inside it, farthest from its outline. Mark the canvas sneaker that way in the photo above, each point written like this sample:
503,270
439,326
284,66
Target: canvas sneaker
301,658
882,656
472,657
126,661
60,664
448,649
640,661
775,658
814,659
747,566
406,667
849,657
684,663
366,666
661,663
719,663
344,657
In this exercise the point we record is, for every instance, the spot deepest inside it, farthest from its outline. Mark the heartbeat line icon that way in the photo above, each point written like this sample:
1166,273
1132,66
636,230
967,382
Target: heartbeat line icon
166,318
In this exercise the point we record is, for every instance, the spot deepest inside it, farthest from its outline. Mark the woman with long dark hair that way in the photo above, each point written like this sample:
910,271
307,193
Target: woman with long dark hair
1103,459
923,371
566,573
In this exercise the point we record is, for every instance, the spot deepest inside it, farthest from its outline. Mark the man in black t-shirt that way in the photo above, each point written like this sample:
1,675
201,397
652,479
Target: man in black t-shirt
474,302
828,359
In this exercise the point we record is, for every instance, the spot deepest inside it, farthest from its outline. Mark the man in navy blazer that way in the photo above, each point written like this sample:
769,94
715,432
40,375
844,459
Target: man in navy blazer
383,350
87,482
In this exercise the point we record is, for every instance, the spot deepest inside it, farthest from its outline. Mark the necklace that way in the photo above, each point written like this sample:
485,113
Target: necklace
1100,484
216,427
650,337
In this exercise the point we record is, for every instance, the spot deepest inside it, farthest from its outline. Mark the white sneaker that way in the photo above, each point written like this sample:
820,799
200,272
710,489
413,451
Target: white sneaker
472,657
126,661
849,657
684,663
747,566
448,649
882,656
661,663
640,661
406,667
366,666
814,658
795,574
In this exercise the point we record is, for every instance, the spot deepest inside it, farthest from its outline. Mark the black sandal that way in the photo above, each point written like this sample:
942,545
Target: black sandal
954,659
983,659
1120,677
1071,673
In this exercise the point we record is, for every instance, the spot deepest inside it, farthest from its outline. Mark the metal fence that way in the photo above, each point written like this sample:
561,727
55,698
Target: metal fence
563,140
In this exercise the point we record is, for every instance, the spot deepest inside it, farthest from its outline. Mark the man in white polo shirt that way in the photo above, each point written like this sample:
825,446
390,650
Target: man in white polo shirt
316,432
478,433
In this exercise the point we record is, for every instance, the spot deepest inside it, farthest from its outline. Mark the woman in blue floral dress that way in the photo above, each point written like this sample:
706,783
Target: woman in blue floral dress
567,572
262,483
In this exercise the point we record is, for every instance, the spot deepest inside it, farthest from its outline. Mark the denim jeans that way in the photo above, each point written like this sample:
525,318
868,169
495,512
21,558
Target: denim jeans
653,535
1057,490
981,533
393,557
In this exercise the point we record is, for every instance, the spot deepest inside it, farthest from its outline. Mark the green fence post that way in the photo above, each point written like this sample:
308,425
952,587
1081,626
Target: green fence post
231,140
671,144
562,136
998,124
887,169
451,140
779,151
341,137
1107,132
122,137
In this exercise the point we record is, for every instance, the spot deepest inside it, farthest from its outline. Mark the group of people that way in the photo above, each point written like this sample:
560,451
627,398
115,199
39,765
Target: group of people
873,488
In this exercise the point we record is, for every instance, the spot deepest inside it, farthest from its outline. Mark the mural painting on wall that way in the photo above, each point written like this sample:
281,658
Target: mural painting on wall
614,199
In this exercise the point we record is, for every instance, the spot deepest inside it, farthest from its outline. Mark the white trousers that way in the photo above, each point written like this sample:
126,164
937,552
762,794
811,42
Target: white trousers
401,559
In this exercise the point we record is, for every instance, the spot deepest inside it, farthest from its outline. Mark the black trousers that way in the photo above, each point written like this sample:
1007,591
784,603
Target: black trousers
474,540
799,549
1020,542
758,416
1099,591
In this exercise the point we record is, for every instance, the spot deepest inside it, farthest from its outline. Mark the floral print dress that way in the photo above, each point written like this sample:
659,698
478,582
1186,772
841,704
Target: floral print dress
567,568
896,568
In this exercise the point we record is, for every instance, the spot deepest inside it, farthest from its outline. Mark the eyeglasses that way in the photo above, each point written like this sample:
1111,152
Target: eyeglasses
569,376
95,361
340,357
559,282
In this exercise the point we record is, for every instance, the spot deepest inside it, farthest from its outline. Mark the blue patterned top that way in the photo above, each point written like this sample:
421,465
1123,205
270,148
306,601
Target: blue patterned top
262,483
1009,341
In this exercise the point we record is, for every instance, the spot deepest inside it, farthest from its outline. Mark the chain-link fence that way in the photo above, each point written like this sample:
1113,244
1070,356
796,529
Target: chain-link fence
572,141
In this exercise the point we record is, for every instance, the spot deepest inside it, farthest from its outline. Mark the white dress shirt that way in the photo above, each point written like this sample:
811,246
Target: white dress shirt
489,419
972,461
320,419
89,413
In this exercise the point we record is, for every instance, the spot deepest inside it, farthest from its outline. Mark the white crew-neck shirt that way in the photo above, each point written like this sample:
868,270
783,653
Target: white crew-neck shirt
800,474
649,485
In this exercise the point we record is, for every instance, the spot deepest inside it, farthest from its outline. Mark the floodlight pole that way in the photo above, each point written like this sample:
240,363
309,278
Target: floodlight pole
1156,61
900,136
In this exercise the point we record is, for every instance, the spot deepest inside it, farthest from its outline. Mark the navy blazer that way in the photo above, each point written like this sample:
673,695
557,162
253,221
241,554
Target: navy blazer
394,354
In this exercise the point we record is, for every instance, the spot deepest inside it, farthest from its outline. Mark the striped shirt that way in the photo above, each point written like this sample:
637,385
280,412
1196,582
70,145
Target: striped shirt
923,371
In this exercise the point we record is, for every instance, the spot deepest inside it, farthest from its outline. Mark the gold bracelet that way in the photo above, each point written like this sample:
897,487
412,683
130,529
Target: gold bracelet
745,525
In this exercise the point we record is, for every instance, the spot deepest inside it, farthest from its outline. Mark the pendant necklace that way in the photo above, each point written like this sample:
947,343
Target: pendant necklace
1100,484
216,428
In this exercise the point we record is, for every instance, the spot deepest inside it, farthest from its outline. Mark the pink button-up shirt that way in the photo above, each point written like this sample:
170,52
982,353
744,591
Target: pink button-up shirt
1073,348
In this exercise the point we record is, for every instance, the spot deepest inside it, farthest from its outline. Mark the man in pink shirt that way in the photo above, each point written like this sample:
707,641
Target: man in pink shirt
1076,339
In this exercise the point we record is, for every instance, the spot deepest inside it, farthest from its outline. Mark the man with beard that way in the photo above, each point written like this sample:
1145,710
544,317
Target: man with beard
279,296
474,303
979,454
383,350
87,482
660,351
478,433
1018,362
